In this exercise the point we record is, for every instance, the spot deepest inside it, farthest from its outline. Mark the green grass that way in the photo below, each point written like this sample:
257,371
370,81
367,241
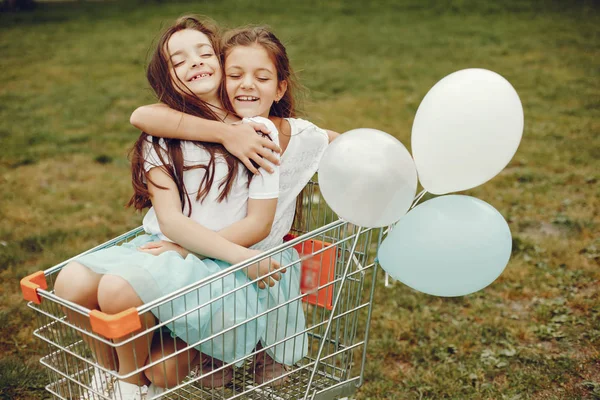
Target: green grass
73,72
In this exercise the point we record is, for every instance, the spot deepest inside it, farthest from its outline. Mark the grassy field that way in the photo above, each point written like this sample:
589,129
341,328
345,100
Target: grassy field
73,72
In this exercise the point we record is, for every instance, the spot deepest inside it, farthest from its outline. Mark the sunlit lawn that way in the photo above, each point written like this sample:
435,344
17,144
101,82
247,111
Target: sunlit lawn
72,73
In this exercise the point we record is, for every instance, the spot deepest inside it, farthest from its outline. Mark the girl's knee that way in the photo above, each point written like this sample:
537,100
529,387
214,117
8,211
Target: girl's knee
115,294
78,284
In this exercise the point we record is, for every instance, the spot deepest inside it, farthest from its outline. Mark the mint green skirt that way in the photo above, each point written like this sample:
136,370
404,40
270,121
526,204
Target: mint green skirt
220,318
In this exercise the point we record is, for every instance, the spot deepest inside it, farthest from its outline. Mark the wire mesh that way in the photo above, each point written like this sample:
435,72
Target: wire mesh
78,360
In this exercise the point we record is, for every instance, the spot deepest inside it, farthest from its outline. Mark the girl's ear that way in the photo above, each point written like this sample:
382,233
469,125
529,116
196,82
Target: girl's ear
282,87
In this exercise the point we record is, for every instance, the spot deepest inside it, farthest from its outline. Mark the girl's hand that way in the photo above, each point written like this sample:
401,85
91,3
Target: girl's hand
245,144
156,248
262,268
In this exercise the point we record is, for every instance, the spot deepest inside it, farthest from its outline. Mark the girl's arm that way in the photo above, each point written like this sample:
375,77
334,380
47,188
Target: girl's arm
240,140
331,135
263,191
255,226
182,229
195,237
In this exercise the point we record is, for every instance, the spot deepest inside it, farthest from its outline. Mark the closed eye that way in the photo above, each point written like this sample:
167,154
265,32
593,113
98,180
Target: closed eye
234,76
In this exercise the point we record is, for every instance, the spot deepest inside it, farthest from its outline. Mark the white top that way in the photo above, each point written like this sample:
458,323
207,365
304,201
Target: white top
299,163
210,213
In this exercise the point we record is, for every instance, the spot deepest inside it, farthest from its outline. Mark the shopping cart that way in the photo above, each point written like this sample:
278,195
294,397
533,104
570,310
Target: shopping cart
338,280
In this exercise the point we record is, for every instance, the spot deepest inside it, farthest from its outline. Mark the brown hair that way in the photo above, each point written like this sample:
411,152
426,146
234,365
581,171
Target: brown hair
286,106
180,98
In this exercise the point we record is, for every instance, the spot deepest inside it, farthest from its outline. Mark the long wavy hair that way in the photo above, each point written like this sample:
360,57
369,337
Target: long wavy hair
286,106
178,97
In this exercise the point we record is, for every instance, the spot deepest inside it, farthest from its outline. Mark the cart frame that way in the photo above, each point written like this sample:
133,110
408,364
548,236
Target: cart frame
337,311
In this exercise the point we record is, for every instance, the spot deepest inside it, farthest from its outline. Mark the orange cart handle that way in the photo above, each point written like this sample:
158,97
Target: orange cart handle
114,326
31,283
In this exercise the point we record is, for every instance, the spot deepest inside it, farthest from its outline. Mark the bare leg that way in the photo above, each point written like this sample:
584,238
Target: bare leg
172,370
115,294
79,285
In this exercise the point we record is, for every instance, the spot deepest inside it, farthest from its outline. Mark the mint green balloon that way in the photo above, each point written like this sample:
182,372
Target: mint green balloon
448,246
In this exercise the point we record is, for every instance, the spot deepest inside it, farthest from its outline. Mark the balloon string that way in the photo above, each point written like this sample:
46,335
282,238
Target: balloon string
418,198
414,204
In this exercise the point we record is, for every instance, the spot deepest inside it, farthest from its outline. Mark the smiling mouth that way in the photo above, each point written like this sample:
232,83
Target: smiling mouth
199,76
246,98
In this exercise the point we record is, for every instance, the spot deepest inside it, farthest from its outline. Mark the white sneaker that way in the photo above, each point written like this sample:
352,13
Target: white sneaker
154,392
101,383
129,391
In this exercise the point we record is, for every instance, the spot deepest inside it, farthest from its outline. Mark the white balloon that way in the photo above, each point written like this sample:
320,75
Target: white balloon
466,130
368,178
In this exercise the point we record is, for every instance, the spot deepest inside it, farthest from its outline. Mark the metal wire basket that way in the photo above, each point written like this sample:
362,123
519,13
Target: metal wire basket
338,278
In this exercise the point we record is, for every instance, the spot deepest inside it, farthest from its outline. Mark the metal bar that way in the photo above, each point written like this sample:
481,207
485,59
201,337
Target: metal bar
233,268
212,301
65,322
190,346
369,312
65,376
306,366
337,298
332,388
242,265
110,243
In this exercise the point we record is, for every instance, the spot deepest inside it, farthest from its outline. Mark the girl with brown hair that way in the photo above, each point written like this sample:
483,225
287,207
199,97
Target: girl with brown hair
202,198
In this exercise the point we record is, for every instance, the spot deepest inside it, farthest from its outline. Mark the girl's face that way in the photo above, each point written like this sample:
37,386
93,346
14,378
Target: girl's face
251,81
193,63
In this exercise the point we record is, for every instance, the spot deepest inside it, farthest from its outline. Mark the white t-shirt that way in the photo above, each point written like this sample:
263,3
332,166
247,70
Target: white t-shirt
210,213
299,163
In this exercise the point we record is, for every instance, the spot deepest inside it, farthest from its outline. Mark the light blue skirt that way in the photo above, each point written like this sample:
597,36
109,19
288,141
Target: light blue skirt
213,307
